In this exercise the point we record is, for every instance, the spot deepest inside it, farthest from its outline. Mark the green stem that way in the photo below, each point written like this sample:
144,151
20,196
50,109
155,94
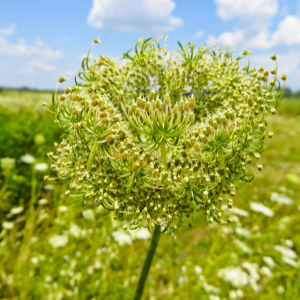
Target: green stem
147,263
163,152
93,151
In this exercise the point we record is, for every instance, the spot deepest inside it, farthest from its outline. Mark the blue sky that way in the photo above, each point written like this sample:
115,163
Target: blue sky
43,40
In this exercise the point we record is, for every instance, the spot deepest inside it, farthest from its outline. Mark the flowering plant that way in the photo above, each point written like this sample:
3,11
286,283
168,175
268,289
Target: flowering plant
164,134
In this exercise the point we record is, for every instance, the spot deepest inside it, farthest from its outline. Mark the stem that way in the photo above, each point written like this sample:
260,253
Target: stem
93,151
163,153
147,263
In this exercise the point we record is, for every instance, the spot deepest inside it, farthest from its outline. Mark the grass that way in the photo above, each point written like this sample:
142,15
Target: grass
63,251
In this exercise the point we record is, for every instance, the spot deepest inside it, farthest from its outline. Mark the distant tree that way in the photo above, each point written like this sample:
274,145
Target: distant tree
297,94
287,93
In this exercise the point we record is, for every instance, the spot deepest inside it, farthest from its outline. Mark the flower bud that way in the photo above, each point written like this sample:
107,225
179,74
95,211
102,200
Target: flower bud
192,118
273,56
273,71
283,77
121,96
192,102
62,79
96,41
259,167
273,111
270,134
181,105
151,96
167,99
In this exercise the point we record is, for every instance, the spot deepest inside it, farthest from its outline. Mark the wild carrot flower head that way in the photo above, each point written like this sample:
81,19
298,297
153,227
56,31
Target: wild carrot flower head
164,135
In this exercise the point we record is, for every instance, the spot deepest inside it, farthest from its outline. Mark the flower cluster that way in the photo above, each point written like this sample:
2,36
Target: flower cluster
157,137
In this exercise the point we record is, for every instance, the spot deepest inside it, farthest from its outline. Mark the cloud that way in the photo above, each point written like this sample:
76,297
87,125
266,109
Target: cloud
135,16
287,34
8,31
40,65
199,34
253,16
229,9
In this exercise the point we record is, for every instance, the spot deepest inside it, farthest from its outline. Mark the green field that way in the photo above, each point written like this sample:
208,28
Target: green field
50,249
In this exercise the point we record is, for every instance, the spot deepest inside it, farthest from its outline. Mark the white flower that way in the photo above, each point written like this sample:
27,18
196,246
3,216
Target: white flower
286,251
266,271
140,234
34,260
16,210
210,288
41,167
49,187
234,275
62,208
240,212
122,238
89,215
290,261
269,261
260,208
28,159
43,201
183,269
252,269
57,241
75,230
289,243
8,225
282,199
243,232
243,247
198,269
233,295
280,289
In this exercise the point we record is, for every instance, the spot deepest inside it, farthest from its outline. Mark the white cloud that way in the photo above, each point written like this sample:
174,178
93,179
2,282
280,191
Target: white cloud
229,9
288,32
135,16
40,65
199,34
8,31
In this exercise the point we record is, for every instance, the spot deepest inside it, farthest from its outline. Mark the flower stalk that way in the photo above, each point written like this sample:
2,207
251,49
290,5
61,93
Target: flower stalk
147,263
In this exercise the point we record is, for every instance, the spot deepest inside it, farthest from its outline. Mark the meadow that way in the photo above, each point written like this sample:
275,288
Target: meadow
50,249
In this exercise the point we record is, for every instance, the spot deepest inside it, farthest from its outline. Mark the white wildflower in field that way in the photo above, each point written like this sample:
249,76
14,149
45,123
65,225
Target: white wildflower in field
49,187
63,208
198,269
280,289
122,238
286,251
290,261
140,234
28,159
34,260
281,199
16,210
252,269
240,212
89,215
243,232
289,243
8,225
269,261
243,247
260,208
41,167
210,288
43,201
234,275
75,230
57,241
266,271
